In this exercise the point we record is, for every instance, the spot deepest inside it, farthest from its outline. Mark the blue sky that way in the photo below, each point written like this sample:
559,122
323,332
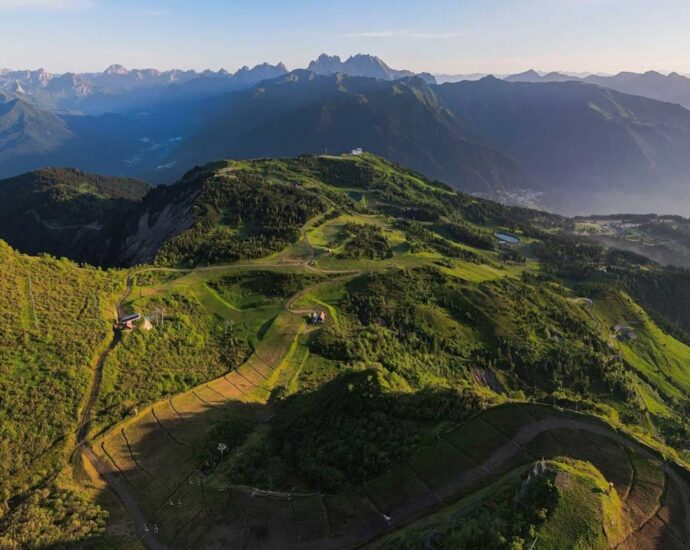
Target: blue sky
453,36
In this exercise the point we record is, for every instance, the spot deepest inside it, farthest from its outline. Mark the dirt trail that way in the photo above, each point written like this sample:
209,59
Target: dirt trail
83,429
116,483
458,487
471,478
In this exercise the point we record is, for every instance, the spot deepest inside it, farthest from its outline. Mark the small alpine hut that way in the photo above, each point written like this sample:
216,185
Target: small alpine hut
317,317
126,322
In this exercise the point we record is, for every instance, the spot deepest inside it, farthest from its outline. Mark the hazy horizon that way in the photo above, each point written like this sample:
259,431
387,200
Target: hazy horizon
541,71
448,37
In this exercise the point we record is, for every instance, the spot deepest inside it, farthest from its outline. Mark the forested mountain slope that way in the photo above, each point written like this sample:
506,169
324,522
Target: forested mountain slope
333,347
307,113
587,148
65,212
572,147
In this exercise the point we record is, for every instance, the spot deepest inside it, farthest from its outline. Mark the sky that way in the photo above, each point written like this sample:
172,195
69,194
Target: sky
439,36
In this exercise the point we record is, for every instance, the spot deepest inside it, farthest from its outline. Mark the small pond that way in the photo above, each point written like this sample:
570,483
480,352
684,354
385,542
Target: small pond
507,238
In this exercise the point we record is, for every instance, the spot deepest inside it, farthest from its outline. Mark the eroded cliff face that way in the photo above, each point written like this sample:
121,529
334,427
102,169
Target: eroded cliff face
154,223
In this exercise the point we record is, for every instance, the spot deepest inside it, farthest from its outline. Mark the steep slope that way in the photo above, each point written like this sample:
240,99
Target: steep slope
217,214
53,327
374,317
27,131
307,113
65,212
587,148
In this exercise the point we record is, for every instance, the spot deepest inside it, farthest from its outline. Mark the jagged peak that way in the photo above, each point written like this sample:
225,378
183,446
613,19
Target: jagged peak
116,69
326,57
367,57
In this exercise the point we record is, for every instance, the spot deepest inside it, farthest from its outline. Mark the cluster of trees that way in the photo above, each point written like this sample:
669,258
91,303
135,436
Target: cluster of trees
358,426
511,255
421,238
498,523
52,517
416,322
242,216
664,293
466,234
549,342
366,241
568,257
271,284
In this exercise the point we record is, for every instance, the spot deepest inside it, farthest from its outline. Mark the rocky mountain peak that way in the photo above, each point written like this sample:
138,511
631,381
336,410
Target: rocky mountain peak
116,70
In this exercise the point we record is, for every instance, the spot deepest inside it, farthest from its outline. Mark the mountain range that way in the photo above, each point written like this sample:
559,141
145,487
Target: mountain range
672,88
118,88
586,148
573,146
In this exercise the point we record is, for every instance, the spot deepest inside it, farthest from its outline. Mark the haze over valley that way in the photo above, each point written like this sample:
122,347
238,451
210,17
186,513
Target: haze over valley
575,146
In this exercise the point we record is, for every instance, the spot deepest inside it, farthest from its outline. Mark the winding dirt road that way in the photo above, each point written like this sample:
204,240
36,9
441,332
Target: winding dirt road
117,484
464,481
83,426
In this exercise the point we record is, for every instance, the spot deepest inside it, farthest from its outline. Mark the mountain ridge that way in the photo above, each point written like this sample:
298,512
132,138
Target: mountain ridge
672,87
428,127
406,335
66,212
92,92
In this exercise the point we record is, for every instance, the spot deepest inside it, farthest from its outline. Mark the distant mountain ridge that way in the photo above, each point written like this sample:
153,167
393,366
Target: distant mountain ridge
533,76
673,88
587,148
118,88
361,65
572,146
302,112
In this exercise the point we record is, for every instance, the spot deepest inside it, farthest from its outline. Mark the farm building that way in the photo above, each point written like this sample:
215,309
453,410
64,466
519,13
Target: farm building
317,317
131,317
126,322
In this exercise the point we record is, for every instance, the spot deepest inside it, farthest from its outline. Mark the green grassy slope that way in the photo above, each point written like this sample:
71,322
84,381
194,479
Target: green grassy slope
54,324
377,412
